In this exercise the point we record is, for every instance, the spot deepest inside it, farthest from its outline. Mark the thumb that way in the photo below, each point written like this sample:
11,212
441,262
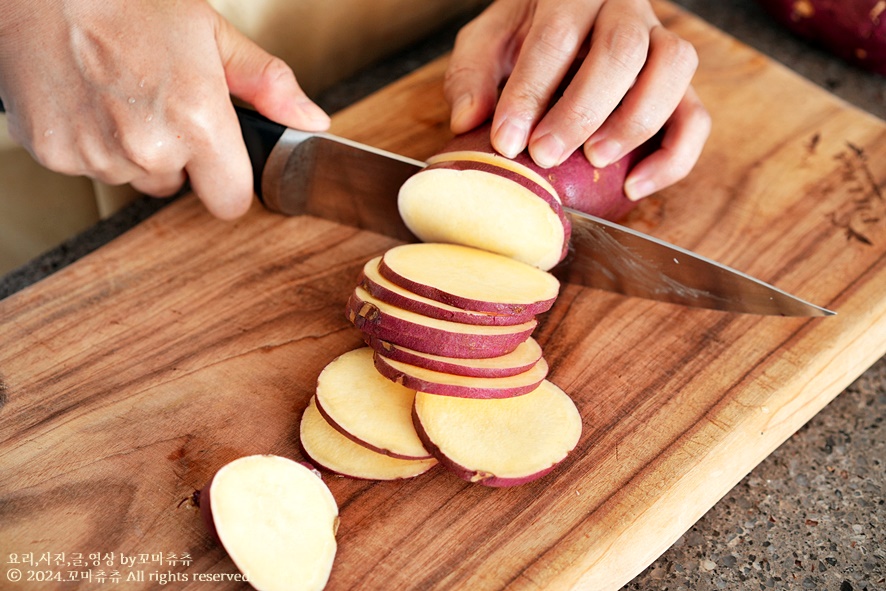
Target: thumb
266,82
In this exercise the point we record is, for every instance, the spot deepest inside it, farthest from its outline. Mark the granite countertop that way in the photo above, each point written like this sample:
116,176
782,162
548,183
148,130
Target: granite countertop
813,514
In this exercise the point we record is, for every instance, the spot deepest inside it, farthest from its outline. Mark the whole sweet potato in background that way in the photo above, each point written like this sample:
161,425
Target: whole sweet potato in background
853,30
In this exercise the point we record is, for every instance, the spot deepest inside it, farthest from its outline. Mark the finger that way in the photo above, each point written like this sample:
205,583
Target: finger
682,143
483,55
558,31
266,82
219,169
160,184
618,51
649,103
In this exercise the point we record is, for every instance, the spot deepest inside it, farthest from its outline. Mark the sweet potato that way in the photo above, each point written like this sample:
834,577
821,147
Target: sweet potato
276,519
853,30
502,442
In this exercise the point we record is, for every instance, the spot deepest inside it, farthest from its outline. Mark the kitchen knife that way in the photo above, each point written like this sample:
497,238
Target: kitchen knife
320,174
334,178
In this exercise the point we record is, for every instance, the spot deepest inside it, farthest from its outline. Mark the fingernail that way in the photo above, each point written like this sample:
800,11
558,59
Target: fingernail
510,138
637,189
548,151
603,153
461,110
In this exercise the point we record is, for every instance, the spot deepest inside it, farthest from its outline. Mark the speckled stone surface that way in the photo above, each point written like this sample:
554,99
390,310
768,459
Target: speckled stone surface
813,514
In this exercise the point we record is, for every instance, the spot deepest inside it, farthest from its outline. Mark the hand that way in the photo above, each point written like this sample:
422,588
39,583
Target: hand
633,80
138,91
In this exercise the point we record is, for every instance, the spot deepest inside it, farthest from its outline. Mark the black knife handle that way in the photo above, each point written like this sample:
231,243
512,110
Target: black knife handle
260,135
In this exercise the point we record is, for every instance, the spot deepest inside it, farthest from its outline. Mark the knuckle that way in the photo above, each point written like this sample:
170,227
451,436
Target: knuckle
148,153
466,33
698,116
558,37
526,99
459,71
58,160
703,118
47,148
581,117
95,158
276,69
679,170
681,54
627,44
639,128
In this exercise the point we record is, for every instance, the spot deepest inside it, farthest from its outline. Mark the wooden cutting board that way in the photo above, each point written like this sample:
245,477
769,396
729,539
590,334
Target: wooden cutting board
131,376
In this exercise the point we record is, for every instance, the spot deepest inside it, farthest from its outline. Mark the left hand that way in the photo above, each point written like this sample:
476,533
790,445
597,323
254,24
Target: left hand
633,80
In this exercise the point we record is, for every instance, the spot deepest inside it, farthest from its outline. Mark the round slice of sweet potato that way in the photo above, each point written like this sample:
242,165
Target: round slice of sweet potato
367,407
429,335
517,361
503,442
470,278
277,521
382,288
446,384
327,448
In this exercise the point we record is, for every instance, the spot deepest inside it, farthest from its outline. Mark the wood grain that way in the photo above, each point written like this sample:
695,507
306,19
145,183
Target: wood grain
132,375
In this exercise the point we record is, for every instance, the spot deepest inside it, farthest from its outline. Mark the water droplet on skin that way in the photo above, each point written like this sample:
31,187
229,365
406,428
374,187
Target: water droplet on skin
48,132
149,118
141,84
131,100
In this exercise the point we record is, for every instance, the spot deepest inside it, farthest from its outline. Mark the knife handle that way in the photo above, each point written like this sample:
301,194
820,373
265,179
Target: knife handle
260,135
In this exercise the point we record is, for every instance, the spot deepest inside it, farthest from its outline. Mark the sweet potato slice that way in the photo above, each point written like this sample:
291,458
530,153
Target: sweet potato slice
470,278
502,442
276,520
329,449
382,288
496,160
517,361
368,408
487,207
430,335
445,384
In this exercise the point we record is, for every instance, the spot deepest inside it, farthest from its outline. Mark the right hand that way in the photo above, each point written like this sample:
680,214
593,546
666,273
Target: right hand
138,91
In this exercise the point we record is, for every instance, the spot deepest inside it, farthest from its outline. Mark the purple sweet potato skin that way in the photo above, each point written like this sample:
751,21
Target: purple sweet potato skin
581,186
853,30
